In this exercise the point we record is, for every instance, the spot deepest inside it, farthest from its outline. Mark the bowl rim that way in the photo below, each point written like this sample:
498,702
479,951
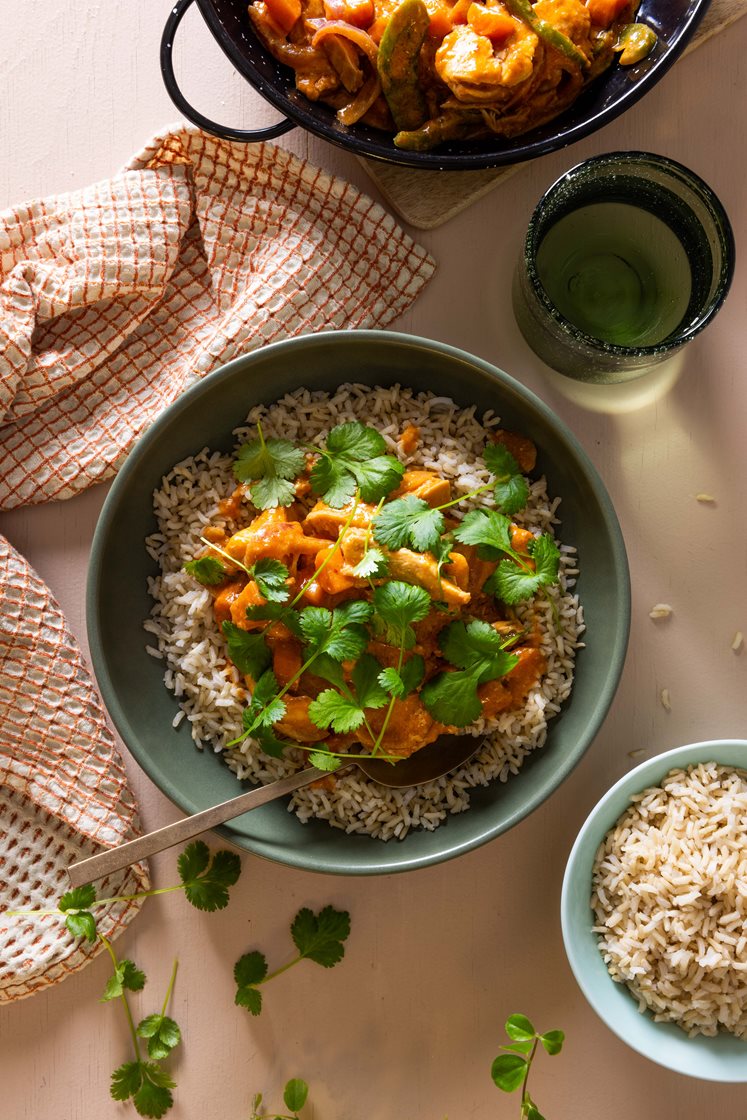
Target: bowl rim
224,373
598,822
303,114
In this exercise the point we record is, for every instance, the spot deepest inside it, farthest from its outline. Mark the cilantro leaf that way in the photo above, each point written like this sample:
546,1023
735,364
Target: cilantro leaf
275,612
80,898
82,924
162,1033
353,459
126,1080
513,583
338,633
269,466
74,905
271,578
265,707
325,760
511,487
248,651
452,698
478,652
125,976
154,1097
477,646
249,970
372,565
408,522
319,937
399,684
206,882
397,606
489,530
331,709
365,678
207,570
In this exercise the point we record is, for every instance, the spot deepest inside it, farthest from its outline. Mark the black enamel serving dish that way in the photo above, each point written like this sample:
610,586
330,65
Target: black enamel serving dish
674,21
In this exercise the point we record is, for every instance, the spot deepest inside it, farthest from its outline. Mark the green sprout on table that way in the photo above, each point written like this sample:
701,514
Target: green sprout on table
511,1070
294,1098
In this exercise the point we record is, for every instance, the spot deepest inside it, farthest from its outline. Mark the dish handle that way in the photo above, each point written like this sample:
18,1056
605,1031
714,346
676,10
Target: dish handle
224,132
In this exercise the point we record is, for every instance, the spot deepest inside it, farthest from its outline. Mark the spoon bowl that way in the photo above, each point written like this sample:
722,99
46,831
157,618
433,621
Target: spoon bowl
431,762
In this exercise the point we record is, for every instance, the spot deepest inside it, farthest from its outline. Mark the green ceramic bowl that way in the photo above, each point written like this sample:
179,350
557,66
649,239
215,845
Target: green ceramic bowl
131,681
723,1058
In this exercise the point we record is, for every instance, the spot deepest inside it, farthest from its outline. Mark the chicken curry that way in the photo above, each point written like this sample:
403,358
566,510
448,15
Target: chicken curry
378,585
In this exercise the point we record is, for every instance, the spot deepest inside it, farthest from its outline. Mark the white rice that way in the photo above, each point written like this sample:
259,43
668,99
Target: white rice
670,899
210,690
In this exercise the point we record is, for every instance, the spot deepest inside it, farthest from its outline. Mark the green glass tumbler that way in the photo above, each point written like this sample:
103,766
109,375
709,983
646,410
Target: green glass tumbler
628,256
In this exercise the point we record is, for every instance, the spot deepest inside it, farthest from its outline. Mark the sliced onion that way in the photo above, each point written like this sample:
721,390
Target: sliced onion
326,27
364,99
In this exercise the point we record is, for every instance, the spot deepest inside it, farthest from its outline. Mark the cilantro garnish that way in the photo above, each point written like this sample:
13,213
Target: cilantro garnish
75,905
271,578
354,459
409,522
207,570
270,468
512,584
147,1084
399,683
125,977
340,633
248,650
511,487
479,654
162,1034
397,606
515,579
373,564
205,880
317,937
344,711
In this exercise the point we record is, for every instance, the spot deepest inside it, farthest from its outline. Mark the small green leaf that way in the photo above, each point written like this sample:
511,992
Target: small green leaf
533,1113
508,1072
249,970
193,860
80,898
125,976
153,1098
269,466
271,578
319,937
402,683
82,924
295,1093
207,570
248,650
206,883
372,565
519,1028
552,1041
408,522
519,1047
162,1033
126,1080
511,488
332,709
325,760
397,606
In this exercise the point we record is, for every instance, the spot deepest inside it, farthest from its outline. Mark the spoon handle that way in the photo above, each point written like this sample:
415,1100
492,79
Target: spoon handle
115,859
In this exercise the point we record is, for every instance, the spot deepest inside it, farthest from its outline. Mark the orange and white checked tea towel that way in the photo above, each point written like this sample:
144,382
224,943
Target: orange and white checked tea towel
113,300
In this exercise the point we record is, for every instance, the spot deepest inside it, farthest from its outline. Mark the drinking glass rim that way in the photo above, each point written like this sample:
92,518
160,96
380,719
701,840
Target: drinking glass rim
712,203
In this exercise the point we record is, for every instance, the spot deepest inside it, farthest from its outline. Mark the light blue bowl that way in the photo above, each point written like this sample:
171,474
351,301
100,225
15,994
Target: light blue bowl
723,1058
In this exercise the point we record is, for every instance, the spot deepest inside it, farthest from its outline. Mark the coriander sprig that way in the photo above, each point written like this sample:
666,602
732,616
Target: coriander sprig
517,577
269,468
144,1081
317,937
352,461
511,1069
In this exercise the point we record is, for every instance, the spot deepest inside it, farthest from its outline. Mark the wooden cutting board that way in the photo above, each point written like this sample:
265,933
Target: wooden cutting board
450,192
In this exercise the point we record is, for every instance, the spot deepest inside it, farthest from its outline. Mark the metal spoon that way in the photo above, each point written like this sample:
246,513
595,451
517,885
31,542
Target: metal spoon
433,761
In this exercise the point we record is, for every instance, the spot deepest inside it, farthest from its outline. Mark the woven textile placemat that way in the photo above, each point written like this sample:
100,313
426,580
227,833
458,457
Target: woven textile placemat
427,199
113,300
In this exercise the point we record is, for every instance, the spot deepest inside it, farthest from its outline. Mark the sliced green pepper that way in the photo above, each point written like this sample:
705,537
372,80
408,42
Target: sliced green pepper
397,63
453,126
635,41
523,10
